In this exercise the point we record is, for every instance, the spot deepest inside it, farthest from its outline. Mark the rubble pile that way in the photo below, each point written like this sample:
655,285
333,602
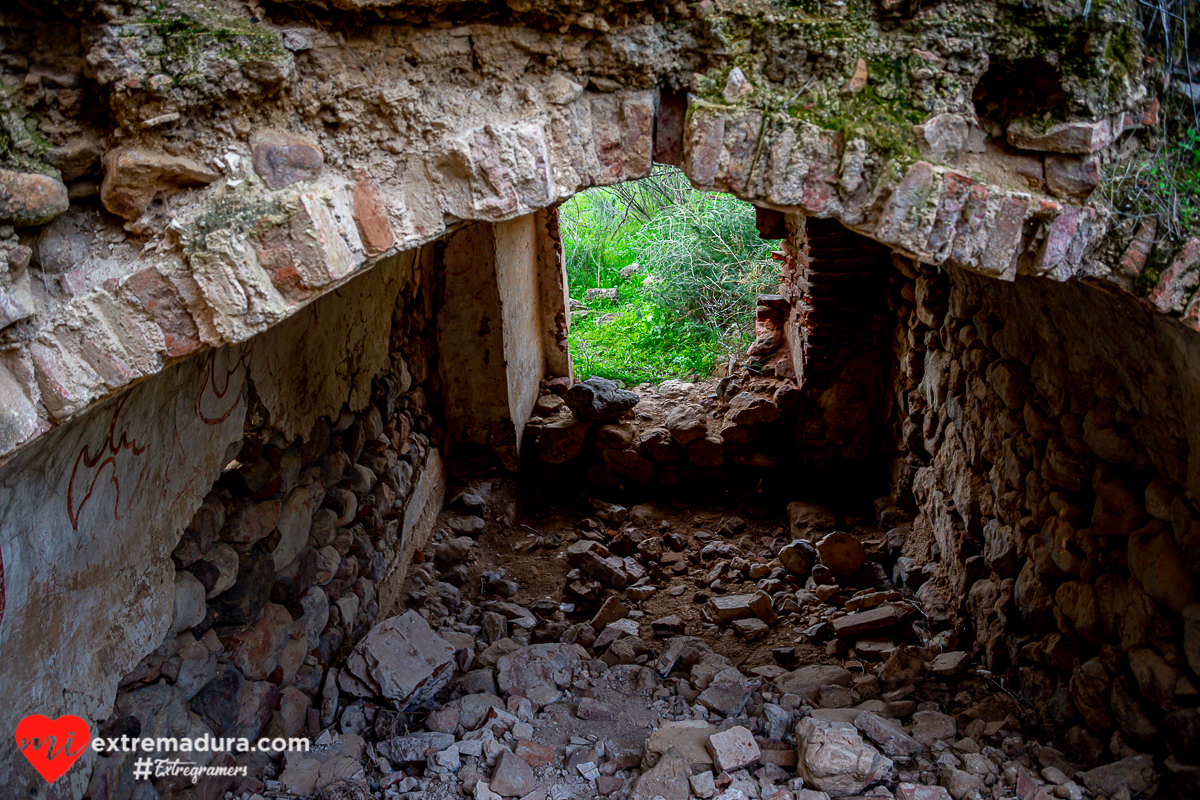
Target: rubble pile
571,697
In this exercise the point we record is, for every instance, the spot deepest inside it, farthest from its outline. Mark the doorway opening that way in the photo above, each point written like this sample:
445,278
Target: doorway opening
662,278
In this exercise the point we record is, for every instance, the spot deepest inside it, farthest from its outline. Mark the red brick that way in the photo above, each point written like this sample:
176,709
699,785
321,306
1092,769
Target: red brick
1177,281
1139,249
370,216
1007,230
160,301
1058,239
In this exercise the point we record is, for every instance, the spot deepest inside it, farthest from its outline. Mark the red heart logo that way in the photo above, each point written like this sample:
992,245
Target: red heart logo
50,744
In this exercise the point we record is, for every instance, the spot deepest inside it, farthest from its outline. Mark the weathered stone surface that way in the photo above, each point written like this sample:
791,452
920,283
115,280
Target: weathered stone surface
688,737
798,557
748,408
413,748
1135,774
339,759
562,441
733,749
599,398
888,735
668,779
806,520
1157,562
727,694
721,610
1191,636
833,758
402,660
1066,137
929,727
189,603
687,422
513,777
1070,177
841,552
133,176
282,158
538,671
28,198
806,681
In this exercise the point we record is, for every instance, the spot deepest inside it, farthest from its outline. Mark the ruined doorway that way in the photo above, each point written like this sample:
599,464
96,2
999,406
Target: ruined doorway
662,279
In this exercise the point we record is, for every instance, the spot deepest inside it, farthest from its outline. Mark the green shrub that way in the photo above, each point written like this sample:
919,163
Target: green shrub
692,300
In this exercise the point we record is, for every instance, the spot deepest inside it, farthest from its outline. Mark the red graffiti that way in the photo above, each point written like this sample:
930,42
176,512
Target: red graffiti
218,390
94,463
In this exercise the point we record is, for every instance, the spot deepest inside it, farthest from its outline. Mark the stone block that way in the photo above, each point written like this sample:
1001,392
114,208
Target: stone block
733,749
862,622
134,175
403,660
1065,137
833,758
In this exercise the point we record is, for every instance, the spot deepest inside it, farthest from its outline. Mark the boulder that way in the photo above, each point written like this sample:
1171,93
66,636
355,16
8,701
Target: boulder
599,398
332,759
1135,774
733,749
833,758
538,671
668,779
688,738
28,198
402,660
888,735
513,777
841,553
798,557
561,441
687,422
807,680
748,408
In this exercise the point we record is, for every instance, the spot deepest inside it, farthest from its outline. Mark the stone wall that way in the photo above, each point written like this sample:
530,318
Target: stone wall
1050,454
307,461
501,328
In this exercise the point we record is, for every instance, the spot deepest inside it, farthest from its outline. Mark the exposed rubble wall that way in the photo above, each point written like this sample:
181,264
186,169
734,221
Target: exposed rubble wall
1051,456
306,412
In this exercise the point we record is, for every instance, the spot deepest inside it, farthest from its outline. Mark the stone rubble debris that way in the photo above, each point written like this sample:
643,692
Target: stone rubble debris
586,698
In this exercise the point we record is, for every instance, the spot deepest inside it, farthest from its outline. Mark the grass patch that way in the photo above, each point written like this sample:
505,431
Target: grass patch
690,302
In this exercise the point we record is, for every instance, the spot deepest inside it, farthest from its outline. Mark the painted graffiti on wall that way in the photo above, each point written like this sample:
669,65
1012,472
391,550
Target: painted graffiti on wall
91,468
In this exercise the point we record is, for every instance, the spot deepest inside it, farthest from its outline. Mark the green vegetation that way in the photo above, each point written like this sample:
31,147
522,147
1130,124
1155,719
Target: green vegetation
187,34
691,299
1162,181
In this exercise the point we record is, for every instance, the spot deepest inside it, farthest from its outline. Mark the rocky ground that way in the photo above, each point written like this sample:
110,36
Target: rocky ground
558,647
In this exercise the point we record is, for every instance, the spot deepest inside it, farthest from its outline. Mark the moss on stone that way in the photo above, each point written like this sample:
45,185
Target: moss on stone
240,215
181,36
